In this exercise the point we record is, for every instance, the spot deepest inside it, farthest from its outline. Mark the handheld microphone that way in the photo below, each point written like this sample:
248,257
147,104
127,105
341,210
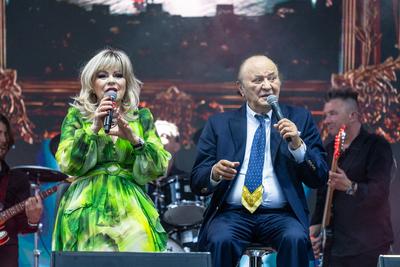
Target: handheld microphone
272,100
108,119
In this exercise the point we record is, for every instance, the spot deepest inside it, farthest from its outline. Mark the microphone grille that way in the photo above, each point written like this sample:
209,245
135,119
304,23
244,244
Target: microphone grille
111,94
272,99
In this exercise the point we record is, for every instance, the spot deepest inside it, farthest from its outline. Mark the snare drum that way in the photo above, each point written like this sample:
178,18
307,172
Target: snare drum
184,213
185,208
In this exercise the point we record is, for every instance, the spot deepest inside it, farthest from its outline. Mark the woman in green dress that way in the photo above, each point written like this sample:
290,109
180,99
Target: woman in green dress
106,208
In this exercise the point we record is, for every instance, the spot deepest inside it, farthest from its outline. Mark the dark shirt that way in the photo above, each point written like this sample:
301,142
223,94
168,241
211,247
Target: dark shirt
18,190
361,222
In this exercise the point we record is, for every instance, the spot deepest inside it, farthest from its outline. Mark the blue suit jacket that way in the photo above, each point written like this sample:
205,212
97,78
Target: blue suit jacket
224,137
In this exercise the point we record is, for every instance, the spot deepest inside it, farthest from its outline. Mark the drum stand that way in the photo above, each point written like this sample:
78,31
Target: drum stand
36,252
159,197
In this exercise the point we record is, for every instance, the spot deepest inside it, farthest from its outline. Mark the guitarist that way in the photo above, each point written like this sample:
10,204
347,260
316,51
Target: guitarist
360,219
12,191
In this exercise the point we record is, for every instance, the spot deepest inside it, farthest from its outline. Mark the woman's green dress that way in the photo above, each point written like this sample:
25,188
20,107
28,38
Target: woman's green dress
106,208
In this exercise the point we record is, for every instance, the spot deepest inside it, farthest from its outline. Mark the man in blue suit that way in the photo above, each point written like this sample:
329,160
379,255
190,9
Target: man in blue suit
258,196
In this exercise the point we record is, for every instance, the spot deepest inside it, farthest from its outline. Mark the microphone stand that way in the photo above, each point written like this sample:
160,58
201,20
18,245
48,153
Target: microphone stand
36,250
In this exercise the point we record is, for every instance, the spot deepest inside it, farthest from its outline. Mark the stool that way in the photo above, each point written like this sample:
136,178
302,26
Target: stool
256,251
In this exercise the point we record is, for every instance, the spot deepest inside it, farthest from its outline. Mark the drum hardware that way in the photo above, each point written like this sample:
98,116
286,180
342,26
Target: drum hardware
176,203
158,196
184,208
157,192
173,246
37,175
36,251
186,237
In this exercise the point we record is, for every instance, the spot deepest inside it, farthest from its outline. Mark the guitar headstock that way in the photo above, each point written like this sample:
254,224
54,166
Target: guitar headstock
339,142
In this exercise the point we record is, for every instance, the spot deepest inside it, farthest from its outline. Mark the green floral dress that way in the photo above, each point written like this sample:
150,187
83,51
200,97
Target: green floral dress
106,208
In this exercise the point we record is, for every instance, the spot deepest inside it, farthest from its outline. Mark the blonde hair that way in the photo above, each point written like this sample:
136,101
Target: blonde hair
106,59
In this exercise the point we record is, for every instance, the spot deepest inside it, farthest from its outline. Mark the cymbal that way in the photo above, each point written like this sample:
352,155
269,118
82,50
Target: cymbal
38,174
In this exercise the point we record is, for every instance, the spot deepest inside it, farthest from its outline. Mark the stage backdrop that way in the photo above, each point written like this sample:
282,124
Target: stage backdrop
187,54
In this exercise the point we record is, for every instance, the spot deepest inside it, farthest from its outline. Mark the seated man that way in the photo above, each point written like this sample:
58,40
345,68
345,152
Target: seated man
254,165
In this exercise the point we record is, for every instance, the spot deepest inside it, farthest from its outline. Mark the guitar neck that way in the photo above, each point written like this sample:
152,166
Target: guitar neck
18,208
326,219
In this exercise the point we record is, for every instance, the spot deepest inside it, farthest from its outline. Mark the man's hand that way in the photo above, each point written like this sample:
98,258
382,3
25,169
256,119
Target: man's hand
338,180
224,169
287,129
316,239
33,209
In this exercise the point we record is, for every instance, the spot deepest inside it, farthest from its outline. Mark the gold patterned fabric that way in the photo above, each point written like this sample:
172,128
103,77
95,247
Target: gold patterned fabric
253,188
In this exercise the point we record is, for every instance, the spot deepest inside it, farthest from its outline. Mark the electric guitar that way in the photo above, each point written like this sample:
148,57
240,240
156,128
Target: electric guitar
326,231
16,209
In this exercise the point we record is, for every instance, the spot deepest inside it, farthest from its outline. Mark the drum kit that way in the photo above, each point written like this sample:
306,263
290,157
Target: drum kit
181,211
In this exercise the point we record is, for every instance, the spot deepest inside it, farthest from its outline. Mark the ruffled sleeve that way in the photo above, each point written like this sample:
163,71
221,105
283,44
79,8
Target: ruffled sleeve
77,151
151,160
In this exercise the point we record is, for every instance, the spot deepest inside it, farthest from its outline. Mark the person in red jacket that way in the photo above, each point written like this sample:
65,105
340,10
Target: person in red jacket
14,189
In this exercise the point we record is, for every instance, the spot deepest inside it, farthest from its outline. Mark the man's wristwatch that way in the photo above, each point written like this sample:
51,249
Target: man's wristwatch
351,190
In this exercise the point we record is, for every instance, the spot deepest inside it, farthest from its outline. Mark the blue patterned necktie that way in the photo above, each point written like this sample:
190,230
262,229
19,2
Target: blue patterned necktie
253,189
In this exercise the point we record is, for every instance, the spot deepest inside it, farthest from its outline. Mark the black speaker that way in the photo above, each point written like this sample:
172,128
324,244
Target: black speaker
389,261
125,259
